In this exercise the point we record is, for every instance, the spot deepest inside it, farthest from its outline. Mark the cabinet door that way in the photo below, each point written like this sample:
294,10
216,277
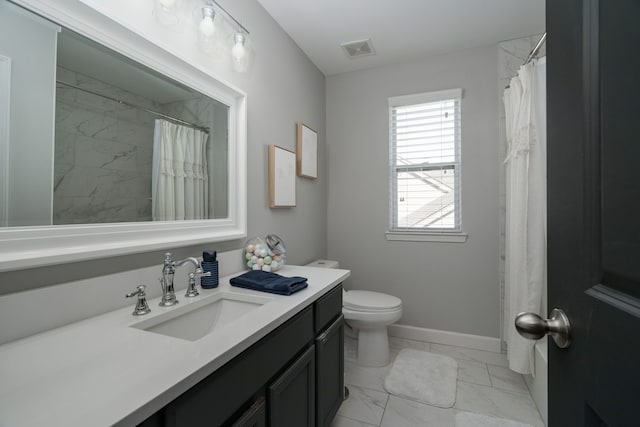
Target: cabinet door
292,395
329,372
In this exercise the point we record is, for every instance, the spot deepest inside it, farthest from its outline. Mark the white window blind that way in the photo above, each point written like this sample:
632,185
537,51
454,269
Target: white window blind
425,161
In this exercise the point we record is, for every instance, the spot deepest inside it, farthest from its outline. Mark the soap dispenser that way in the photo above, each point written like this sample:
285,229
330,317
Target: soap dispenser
209,265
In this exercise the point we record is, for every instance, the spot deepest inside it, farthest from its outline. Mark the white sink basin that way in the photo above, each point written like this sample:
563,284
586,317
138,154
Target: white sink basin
200,318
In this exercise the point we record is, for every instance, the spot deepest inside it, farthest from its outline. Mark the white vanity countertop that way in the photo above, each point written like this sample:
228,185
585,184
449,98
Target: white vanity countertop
101,371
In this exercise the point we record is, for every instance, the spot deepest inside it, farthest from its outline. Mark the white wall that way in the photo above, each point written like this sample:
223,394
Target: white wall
31,111
283,87
445,286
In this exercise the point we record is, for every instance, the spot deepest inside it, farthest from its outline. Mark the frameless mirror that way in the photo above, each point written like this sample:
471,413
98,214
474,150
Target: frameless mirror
126,137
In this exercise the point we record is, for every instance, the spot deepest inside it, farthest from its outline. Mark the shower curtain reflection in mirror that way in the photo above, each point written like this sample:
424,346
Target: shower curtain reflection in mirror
180,182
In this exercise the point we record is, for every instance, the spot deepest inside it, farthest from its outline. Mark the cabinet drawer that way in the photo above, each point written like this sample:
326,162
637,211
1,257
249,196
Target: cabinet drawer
327,308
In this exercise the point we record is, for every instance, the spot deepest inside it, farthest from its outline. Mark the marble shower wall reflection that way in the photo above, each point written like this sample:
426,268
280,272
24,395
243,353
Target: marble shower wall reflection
103,152
511,55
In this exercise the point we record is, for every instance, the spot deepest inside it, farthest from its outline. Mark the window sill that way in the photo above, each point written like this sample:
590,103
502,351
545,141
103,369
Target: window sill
417,236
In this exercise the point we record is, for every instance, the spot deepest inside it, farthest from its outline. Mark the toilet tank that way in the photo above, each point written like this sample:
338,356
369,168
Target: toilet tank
324,263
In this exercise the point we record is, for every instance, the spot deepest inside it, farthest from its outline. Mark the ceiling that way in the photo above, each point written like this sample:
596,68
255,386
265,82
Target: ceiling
401,30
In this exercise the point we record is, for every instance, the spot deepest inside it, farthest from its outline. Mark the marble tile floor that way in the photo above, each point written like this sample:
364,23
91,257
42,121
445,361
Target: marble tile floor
485,386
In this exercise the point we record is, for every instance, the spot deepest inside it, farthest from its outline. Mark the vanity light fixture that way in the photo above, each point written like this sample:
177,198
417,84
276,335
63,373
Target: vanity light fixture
213,24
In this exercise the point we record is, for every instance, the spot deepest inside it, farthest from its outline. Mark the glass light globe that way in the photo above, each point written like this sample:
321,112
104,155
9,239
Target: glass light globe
207,27
238,51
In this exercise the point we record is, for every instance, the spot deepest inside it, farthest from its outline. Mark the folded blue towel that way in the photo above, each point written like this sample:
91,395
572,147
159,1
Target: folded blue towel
259,280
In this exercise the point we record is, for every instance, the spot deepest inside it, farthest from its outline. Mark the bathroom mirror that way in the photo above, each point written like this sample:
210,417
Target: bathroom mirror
97,127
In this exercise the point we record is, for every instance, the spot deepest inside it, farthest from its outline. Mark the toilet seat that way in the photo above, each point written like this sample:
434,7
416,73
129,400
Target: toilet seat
367,301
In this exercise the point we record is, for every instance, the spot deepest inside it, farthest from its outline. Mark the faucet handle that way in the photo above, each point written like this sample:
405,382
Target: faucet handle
192,291
141,304
167,257
199,271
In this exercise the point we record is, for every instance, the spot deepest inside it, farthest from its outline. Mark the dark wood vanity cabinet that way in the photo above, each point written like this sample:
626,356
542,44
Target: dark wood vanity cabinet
293,377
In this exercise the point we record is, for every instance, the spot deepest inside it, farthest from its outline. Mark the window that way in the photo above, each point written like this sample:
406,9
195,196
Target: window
425,161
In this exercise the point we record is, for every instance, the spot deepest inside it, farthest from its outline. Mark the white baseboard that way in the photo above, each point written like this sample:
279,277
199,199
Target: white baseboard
458,339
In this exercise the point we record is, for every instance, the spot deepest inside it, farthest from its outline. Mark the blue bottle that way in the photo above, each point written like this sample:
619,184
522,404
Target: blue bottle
210,265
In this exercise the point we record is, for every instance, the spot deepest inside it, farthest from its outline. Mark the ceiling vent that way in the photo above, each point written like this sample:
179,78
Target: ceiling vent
358,48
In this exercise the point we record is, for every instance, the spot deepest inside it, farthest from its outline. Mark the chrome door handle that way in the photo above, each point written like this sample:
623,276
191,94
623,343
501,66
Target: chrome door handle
534,327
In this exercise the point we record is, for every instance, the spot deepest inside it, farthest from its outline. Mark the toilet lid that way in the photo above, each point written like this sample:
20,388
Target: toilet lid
370,301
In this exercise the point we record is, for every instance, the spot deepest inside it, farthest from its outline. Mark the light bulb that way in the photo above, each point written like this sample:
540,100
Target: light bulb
207,27
237,51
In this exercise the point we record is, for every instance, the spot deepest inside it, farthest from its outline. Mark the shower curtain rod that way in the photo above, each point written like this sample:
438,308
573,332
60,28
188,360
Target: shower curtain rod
119,101
535,50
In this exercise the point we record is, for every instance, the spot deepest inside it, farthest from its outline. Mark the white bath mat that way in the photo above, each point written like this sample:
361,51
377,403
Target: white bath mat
426,377
470,419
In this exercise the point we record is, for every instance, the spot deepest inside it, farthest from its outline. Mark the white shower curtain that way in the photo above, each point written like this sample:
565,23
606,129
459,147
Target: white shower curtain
180,179
526,218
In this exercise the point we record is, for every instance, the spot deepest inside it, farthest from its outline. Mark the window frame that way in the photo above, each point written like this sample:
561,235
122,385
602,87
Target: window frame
454,234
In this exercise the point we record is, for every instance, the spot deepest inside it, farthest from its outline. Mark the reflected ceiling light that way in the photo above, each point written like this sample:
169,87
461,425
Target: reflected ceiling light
167,4
166,11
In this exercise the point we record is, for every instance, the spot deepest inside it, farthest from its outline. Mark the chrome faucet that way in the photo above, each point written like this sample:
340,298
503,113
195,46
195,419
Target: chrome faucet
168,272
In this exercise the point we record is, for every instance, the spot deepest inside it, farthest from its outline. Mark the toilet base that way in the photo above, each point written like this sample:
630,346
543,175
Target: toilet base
373,347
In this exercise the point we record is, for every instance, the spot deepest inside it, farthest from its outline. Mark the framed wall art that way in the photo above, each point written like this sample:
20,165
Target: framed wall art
307,156
282,177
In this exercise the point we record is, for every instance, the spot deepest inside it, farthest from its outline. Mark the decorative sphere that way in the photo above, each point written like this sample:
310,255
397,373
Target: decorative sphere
274,265
266,268
251,248
254,259
267,260
263,252
261,261
249,264
248,256
277,258
256,266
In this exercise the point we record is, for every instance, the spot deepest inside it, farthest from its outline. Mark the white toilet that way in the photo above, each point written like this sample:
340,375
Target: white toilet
369,313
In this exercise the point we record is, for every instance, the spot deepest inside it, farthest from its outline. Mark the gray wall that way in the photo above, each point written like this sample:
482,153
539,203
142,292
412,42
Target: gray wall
445,286
33,64
283,87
